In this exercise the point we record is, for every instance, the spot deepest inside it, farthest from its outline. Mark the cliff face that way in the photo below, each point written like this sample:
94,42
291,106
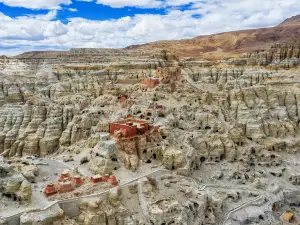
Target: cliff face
43,96
283,55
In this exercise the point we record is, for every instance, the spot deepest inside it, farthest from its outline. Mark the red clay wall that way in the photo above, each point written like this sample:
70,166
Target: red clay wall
149,82
131,130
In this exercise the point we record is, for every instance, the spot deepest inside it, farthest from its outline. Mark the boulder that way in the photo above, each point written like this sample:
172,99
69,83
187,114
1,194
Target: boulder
30,172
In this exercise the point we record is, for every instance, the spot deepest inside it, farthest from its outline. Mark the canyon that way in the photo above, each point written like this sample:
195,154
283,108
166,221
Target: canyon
200,131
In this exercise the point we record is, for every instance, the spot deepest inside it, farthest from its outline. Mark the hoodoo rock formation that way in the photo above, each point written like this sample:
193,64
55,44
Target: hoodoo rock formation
204,134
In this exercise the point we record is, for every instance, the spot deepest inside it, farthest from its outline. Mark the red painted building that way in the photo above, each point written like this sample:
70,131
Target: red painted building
64,176
77,181
122,97
106,178
50,190
113,180
149,82
64,187
96,179
128,128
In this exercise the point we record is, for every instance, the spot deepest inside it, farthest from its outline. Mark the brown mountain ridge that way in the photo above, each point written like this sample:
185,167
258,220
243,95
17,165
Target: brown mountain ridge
231,44
215,46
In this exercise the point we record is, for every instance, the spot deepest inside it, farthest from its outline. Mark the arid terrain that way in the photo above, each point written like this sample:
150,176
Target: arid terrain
230,44
202,131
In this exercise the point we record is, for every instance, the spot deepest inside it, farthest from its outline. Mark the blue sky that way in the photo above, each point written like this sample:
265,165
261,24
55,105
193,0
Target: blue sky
62,24
83,9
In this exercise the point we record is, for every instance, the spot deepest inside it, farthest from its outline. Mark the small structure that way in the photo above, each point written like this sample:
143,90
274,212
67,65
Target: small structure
133,137
122,100
105,177
65,186
113,180
168,74
96,179
149,82
77,181
154,111
288,216
50,190
122,97
64,176
129,128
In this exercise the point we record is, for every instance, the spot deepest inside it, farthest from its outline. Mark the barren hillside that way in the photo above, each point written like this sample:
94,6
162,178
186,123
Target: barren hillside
231,43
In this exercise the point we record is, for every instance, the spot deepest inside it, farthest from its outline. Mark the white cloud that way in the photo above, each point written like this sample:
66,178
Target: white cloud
43,31
144,3
37,4
133,3
72,9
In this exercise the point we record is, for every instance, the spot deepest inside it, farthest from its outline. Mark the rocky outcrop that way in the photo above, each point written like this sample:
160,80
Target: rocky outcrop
30,172
43,217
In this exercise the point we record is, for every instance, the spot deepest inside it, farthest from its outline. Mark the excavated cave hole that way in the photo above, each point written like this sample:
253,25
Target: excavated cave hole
164,137
114,159
7,195
148,161
202,159
12,196
154,156
222,157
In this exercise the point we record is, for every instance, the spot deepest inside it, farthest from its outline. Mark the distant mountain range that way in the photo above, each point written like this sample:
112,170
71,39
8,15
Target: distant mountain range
230,44
215,46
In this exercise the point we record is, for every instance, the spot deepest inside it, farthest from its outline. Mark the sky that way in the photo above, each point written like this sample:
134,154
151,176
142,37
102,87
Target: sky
27,25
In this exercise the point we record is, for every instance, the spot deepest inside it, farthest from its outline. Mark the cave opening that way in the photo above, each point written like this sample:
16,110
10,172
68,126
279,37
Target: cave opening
202,158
